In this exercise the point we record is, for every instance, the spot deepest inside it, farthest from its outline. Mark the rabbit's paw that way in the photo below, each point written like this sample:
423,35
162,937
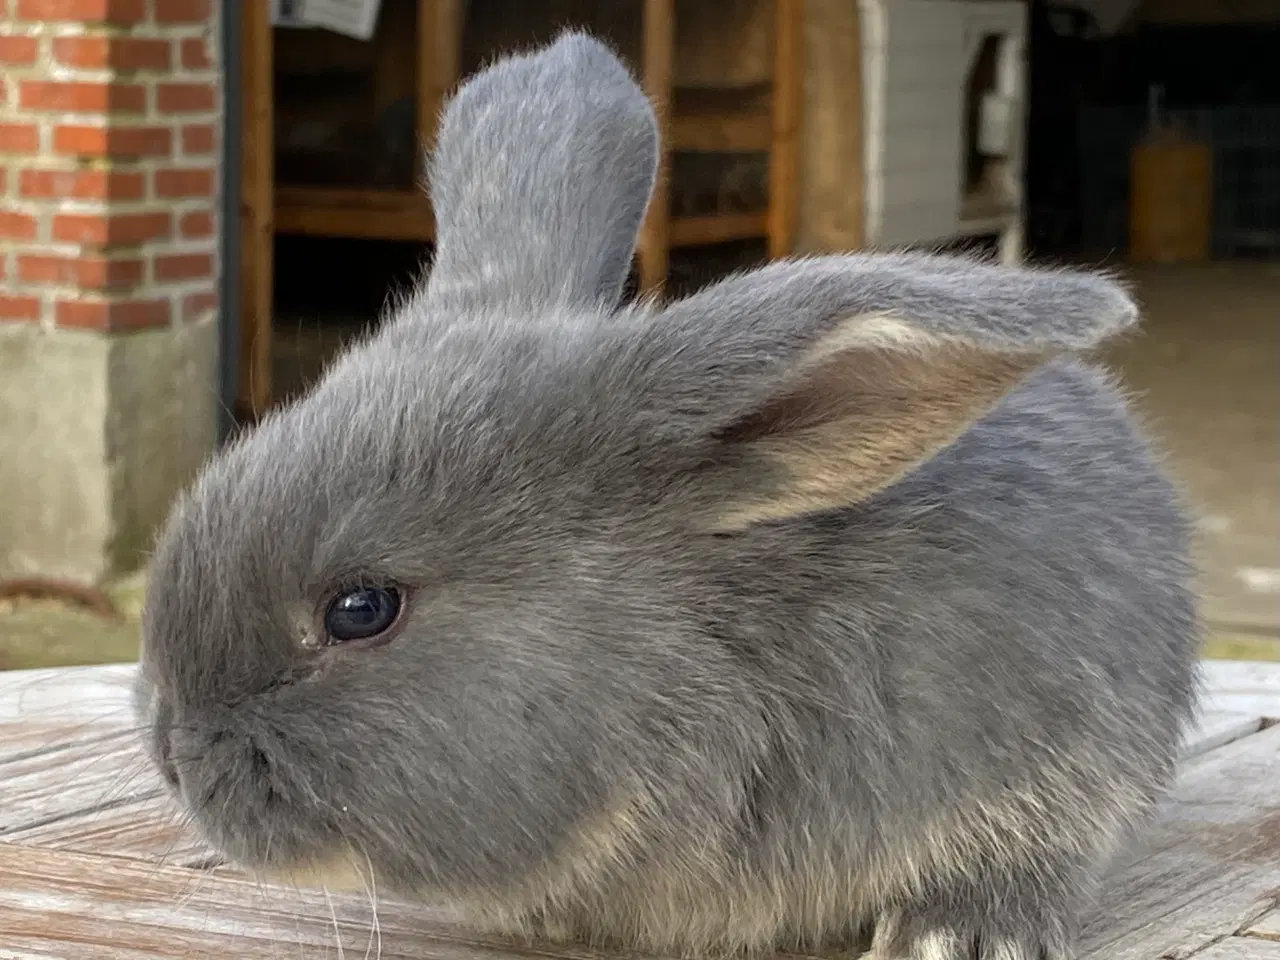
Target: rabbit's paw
902,935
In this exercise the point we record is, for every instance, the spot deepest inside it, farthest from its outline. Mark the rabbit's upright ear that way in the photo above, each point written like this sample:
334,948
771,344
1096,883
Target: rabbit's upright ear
818,382
542,170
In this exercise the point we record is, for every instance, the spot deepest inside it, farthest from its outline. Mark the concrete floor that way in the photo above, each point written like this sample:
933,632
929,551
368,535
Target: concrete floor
1206,375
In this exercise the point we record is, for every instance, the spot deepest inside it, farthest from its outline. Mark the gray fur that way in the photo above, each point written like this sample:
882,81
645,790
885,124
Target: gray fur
544,167
935,709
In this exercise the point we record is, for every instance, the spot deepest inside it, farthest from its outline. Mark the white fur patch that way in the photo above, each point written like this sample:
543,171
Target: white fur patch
939,945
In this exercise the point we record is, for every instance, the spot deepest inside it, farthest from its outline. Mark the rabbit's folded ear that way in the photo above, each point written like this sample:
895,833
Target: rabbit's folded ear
821,381
542,170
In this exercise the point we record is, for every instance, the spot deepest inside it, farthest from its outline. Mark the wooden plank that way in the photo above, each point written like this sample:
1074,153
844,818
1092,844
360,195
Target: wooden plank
439,63
147,829
43,709
716,228
308,212
82,907
383,201
1218,728
253,393
658,71
784,153
1240,948
833,165
1209,866
1268,925
48,785
395,57
1207,870
401,215
1243,687
705,121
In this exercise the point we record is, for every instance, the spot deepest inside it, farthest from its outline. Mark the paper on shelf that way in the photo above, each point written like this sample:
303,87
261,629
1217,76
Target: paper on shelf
354,18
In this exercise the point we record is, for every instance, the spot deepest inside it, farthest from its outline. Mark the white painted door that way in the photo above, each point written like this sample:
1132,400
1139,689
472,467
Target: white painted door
915,65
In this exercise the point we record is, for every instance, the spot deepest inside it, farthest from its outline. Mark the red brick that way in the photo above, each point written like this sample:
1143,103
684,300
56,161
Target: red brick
113,142
81,184
182,11
112,315
183,183
183,266
195,54
19,138
195,305
199,138
18,51
86,272
186,97
120,53
19,308
103,229
83,11
82,97
199,223
17,226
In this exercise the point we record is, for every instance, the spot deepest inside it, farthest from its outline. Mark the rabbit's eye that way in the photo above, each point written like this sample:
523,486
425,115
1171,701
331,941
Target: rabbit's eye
361,614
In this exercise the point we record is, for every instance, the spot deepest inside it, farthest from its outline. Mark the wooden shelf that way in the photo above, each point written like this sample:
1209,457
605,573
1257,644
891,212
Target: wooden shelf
718,228
406,215
760,119
355,213
716,122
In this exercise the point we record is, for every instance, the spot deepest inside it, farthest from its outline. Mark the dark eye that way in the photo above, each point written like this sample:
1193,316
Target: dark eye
361,614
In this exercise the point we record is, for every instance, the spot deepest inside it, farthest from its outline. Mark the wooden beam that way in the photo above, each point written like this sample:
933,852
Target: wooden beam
658,72
784,152
253,393
710,122
715,228
362,214
439,63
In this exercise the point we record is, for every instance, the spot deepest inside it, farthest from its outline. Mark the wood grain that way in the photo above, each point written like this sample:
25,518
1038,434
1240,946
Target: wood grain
257,237
73,905
657,73
784,153
95,863
1240,948
1268,925
46,709
1209,867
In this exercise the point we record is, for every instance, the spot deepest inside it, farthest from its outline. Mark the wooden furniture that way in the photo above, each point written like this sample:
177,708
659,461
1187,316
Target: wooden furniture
930,66
257,227
766,124
95,866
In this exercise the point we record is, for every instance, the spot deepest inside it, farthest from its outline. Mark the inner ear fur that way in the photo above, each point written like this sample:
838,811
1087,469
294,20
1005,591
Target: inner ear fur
868,403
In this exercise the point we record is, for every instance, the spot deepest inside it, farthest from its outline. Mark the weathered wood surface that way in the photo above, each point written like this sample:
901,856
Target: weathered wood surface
95,864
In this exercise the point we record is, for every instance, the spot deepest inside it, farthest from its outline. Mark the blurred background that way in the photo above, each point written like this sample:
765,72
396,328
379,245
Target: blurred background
204,200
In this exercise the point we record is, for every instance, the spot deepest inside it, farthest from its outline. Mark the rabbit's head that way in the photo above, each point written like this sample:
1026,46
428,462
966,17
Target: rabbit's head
464,614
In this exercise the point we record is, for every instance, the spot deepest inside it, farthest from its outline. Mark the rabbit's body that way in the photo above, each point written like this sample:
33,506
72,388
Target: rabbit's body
831,595
1043,544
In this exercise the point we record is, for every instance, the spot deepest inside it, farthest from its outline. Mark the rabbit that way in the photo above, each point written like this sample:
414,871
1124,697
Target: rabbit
840,599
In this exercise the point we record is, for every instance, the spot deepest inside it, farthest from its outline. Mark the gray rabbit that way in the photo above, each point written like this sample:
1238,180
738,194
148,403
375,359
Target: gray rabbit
835,597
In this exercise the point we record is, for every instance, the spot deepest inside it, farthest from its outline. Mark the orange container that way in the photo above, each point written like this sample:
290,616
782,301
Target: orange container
1170,198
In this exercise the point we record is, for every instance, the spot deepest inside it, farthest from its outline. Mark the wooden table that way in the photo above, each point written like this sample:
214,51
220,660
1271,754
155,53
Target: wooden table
94,866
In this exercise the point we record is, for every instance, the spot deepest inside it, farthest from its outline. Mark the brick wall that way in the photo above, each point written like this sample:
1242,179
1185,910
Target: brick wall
110,129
